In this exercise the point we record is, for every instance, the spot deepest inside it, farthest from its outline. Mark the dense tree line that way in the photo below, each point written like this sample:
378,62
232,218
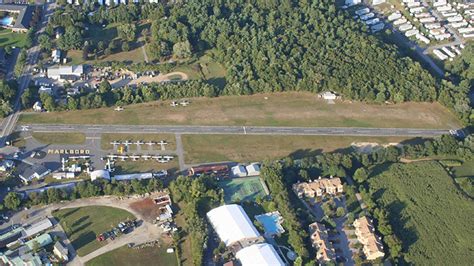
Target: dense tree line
272,174
198,196
105,96
7,97
85,189
270,46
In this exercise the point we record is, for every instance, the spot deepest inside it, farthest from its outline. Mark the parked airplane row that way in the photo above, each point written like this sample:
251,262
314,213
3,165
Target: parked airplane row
138,142
146,157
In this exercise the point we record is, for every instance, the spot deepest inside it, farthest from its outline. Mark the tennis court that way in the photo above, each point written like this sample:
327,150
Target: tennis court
242,189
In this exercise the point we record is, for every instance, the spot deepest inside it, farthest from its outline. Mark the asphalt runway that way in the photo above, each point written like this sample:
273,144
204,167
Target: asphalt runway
241,130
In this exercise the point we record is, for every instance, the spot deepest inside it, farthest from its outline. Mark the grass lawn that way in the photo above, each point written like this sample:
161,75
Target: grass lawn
246,148
464,176
427,212
82,225
204,68
107,138
278,109
9,38
129,256
185,241
59,138
242,189
142,166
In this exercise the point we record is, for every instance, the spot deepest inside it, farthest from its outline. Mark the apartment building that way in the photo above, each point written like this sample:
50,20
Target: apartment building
319,240
319,187
365,232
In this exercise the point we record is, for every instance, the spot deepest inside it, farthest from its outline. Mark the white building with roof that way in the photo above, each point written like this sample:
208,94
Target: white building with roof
37,228
103,174
253,169
239,171
63,73
137,176
259,254
232,224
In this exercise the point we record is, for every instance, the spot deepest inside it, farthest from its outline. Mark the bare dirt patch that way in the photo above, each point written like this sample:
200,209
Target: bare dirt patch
147,208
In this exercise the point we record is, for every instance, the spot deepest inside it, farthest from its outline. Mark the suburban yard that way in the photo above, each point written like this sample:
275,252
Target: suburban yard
247,148
9,38
107,138
277,109
129,256
427,212
59,138
83,225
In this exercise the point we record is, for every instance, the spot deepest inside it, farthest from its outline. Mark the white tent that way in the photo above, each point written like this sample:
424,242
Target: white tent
259,254
232,224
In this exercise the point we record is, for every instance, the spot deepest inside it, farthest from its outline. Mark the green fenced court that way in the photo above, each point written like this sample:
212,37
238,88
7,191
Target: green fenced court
242,189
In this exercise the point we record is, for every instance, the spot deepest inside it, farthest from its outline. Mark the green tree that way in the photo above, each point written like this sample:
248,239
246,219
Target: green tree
12,201
182,49
361,174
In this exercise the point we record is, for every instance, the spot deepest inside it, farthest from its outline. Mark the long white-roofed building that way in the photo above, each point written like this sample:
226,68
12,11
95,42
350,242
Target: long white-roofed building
259,254
233,225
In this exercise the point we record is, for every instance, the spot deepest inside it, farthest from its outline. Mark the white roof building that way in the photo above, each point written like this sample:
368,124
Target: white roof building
137,176
259,254
38,227
104,174
62,72
232,224
239,171
253,169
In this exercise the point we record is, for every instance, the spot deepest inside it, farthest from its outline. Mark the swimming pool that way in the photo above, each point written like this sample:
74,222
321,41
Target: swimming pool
271,223
6,21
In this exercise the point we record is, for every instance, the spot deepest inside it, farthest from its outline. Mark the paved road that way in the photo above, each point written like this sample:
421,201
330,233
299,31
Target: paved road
328,131
8,124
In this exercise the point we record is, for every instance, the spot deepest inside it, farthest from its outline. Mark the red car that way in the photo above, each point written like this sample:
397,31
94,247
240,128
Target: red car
100,238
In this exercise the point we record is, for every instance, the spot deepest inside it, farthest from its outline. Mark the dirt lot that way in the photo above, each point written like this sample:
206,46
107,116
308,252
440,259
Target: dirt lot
278,109
147,208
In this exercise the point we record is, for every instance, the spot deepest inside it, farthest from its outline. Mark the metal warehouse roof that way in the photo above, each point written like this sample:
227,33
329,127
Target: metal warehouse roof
232,224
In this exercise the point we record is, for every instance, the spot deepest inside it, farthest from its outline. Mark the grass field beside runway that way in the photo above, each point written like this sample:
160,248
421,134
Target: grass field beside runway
247,148
59,138
277,109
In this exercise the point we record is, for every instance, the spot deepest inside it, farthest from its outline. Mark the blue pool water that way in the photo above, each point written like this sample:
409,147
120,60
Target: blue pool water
271,223
6,21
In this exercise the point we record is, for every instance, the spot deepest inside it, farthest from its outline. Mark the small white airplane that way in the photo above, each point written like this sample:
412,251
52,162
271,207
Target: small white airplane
85,157
112,156
168,157
162,143
157,157
127,142
139,142
146,157
163,161
184,103
134,157
115,143
118,108
123,157
150,143
174,104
